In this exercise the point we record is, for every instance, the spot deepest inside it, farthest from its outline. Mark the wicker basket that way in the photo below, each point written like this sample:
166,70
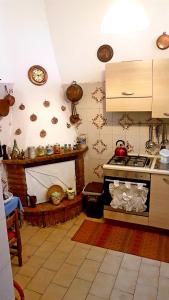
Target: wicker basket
55,194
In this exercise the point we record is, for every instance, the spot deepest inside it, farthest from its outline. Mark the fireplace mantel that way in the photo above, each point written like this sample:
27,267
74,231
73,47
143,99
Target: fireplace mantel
16,170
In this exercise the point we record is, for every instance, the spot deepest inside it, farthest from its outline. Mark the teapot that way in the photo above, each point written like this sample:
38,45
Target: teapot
120,150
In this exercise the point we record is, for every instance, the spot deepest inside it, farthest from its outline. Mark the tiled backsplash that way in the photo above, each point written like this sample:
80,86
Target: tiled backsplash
103,129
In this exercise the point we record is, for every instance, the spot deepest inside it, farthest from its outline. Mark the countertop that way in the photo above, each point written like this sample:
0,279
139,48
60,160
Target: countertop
150,170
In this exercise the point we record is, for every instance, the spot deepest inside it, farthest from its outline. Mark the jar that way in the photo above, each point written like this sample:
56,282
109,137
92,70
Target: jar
56,148
40,151
81,139
70,193
31,152
49,150
65,148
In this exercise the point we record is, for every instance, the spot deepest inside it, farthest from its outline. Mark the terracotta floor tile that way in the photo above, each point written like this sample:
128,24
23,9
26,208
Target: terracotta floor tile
41,280
46,249
88,270
55,260
54,292
22,280
102,285
66,245
30,295
31,267
65,275
78,290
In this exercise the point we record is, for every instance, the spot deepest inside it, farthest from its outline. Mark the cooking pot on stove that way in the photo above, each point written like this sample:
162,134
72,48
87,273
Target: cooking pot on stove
120,150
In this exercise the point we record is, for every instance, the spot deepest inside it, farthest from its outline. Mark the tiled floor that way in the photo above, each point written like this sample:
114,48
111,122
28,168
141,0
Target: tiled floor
57,268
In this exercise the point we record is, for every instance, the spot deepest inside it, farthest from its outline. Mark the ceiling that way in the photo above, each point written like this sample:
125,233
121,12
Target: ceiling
75,28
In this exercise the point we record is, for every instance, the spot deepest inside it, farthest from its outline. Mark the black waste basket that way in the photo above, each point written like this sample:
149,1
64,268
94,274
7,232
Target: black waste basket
92,200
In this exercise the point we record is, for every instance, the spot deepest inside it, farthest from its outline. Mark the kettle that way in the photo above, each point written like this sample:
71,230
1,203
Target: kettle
120,150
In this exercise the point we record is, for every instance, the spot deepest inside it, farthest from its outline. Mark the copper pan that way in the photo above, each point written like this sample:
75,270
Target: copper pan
163,41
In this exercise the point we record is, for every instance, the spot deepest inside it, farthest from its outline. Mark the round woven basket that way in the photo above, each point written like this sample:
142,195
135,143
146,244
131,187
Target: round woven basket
60,194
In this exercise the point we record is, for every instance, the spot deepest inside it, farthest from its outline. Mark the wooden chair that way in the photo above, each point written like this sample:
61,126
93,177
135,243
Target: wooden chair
14,237
19,294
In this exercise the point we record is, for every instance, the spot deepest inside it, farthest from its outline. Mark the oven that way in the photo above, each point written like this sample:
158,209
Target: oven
127,189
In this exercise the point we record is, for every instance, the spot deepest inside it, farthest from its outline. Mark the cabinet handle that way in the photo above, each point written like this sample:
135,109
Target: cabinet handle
127,93
166,114
166,180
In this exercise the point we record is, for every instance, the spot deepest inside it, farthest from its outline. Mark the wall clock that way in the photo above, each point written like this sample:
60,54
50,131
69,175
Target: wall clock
37,75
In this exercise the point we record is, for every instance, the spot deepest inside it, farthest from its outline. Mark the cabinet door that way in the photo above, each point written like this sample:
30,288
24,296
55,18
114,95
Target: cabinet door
130,79
159,201
160,105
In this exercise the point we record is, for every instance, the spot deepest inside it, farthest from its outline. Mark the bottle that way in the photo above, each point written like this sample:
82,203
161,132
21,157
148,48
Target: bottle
15,151
5,155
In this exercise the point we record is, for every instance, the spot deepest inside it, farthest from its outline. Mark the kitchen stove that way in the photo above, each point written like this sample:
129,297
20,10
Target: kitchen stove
126,183
131,161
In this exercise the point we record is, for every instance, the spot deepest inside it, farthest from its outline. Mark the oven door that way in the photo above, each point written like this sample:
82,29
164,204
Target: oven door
127,195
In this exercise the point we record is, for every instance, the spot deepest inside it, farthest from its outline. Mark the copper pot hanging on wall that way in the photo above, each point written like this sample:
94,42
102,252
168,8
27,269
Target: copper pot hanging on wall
163,41
74,93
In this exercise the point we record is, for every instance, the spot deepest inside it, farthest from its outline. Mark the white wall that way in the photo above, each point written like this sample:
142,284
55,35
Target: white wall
76,30
26,41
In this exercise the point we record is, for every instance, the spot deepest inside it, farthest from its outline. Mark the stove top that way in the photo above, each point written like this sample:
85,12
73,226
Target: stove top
131,160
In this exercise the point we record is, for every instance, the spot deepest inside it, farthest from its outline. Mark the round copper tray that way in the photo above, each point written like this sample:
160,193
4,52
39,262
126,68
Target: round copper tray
105,53
163,41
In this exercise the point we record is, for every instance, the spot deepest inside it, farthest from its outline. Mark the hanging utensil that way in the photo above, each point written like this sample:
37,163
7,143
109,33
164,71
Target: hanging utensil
164,141
150,144
157,130
74,118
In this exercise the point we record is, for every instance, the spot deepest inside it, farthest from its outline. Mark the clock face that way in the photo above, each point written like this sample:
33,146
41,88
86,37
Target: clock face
37,75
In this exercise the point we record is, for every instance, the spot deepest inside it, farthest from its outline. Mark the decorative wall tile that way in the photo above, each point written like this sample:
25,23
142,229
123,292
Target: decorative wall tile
98,171
98,95
125,121
99,146
99,121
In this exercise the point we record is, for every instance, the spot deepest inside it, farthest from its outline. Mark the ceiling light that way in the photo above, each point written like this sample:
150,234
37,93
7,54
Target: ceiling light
125,16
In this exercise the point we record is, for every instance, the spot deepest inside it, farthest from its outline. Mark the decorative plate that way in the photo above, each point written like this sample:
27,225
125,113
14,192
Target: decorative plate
42,133
53,189
105,53
33,117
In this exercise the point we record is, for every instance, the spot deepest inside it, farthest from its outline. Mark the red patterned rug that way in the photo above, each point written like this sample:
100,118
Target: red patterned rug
129,238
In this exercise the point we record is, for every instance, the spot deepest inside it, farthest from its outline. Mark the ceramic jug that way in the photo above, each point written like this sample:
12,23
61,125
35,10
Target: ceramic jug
70,193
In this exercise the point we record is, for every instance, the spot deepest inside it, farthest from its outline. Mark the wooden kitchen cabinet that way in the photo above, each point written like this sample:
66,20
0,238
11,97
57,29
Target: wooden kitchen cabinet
159,201
129,86
160,105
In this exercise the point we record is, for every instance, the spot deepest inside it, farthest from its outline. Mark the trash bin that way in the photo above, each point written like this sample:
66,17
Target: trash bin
92,202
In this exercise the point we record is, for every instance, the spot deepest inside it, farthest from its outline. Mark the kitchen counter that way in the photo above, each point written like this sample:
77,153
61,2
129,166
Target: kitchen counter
151,170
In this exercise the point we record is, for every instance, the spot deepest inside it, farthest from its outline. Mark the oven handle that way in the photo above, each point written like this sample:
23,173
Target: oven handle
123,182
